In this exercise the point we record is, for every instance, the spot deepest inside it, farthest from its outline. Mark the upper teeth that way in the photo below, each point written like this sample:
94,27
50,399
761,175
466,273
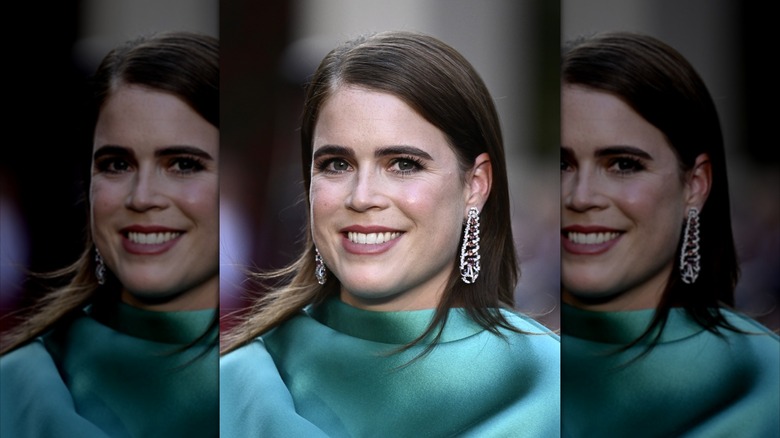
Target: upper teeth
152,238
371,238
591,238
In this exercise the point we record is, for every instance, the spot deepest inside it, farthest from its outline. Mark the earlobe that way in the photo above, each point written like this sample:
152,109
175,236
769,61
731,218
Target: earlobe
699,182
480,180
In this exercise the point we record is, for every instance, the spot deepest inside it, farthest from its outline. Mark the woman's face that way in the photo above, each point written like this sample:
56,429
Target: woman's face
623,203
388,200
154,199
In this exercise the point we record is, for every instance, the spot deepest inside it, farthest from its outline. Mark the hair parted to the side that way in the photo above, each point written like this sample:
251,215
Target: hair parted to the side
659,84
184,64
442,87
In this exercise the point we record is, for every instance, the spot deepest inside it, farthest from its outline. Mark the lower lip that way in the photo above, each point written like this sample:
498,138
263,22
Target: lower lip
368,249
149,249
588,248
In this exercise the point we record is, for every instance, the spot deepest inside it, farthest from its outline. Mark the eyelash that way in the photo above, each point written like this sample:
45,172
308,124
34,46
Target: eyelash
416,163
181,165
109,165
325,165
633,165
194,164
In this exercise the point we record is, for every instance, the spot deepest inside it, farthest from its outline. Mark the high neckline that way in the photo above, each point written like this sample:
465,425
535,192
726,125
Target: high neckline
398,327
624,327
180,327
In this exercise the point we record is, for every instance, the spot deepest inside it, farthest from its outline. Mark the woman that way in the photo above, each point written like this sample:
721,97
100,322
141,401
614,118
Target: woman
128,346
395,319
650,347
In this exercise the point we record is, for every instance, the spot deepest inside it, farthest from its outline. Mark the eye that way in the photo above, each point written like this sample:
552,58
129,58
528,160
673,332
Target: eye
338,165
626,165
406,165
112,165
332,165
186,165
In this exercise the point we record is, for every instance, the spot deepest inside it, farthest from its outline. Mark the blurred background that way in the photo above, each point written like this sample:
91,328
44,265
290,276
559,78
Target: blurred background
44,172
269,49
728,44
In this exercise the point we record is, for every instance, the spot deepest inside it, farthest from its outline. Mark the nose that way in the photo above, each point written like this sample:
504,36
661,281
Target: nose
580,190
367,192
145,191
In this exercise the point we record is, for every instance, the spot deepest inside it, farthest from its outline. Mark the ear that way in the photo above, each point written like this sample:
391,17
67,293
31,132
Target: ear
698,182
479,180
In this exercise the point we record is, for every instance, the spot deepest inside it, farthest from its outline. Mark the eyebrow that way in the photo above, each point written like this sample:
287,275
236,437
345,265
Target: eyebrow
622,150
163,152
381,152
402,150
333,150
182,150
112,150
611,151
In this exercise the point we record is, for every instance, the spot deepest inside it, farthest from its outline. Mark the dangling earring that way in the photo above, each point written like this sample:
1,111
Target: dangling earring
100,269
469,252
319,267
689,253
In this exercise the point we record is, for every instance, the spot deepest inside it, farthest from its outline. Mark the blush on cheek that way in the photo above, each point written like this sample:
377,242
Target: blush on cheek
417,196
198,197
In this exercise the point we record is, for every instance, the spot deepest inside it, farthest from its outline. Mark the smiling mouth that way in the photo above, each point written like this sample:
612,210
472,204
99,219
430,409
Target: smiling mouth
372,238
152,238
591,238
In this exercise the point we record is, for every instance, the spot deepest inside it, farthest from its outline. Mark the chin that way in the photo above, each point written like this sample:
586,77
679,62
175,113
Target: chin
152,288
152,298
592,297
370,294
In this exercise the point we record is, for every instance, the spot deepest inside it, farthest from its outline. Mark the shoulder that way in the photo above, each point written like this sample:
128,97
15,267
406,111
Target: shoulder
253,352
249,366
530,326
533,337
253,398
25,361
34,398
29,369
753,342
749,325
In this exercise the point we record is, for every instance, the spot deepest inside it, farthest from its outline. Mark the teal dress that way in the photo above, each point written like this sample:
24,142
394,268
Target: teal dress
336,371
692,384
115,371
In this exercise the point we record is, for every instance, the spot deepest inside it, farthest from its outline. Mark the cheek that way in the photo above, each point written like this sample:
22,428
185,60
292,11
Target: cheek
441,204
106,197
325,198
201,200
326,195
654,203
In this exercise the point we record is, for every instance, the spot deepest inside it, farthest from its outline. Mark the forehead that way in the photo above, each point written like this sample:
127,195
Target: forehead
134,116
358,117
591,118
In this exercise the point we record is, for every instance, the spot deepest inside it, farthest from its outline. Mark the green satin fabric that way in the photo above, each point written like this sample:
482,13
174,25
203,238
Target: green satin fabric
336,372
693,383
119,372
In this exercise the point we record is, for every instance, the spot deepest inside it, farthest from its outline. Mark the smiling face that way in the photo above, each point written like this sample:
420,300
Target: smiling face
154,199
623,203
388,200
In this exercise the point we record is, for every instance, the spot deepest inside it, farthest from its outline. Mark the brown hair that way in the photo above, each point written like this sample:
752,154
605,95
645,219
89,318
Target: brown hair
180,63
662,86
442,86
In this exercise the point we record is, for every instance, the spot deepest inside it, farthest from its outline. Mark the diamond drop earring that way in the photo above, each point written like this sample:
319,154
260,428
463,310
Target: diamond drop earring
320,271
469,252
689,253
100,269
